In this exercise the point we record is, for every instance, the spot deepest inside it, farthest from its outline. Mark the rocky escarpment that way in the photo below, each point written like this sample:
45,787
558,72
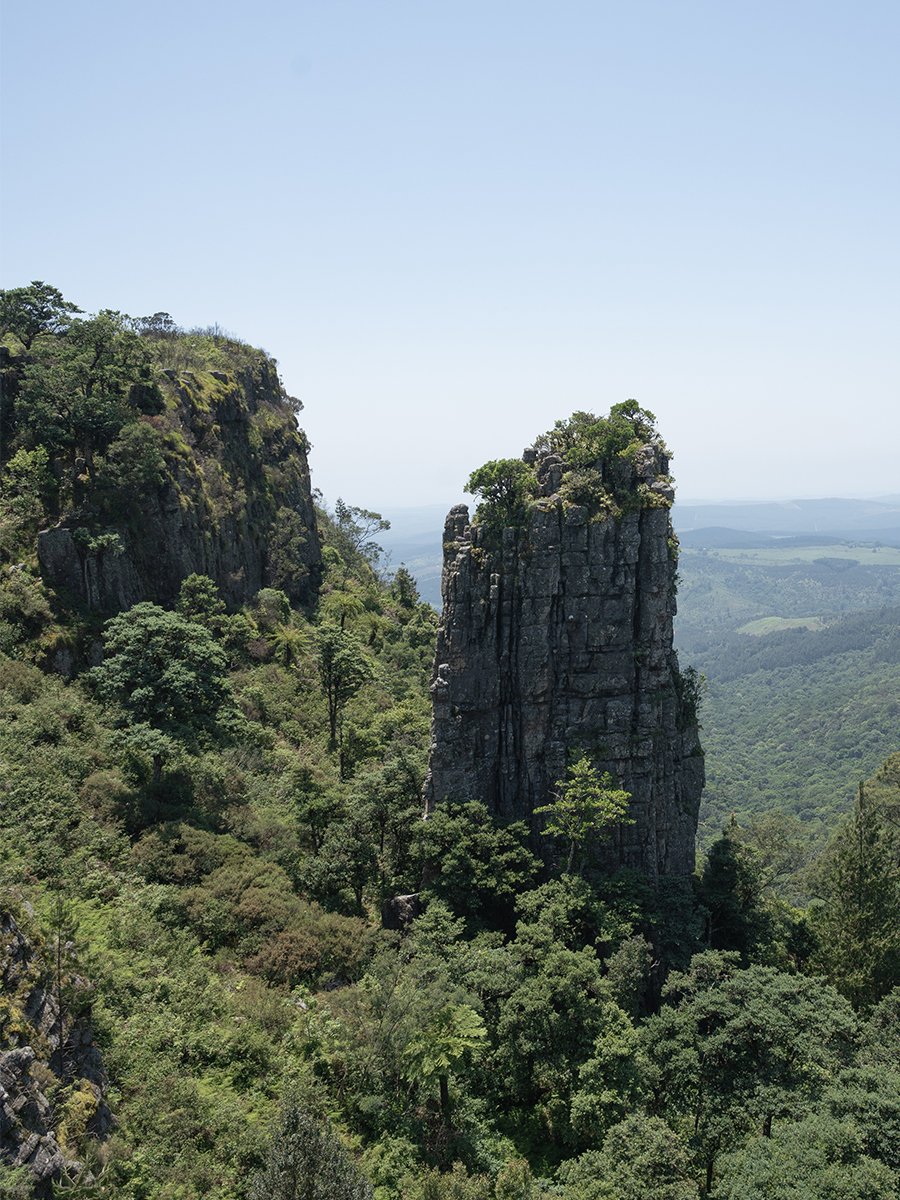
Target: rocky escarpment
52,1080
217,484
556,639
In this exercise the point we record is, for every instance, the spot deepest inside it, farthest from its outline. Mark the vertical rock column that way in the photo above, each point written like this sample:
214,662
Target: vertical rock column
556,640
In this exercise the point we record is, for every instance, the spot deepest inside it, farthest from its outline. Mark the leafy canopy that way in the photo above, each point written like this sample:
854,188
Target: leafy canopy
163,671
587,804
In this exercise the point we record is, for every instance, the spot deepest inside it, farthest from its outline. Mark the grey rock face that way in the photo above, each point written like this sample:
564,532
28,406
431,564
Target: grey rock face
236,505
556,640
33,1054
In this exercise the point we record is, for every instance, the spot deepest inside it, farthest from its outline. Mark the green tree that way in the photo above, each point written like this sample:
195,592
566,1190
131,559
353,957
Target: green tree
552,1022
134,467
354,531
307,1162
586,806
817,1158
165,673
505,486
453,1033
199,600
287,538
730,891
343,668
735,1051
642,1158
75,393
476,865
858,919
27,485
33,310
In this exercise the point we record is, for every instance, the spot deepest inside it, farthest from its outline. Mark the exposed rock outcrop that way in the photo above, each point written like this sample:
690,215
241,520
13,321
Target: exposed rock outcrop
233,502
556,640
52,1080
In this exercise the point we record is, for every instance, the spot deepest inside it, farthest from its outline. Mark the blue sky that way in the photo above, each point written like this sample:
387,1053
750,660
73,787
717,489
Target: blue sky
454,223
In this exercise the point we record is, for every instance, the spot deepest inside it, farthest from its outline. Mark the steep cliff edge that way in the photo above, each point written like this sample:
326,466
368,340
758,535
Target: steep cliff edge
556,638
134,453
225,492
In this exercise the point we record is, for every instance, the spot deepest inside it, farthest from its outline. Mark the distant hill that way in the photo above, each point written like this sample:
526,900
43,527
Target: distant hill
715,536
795,718
415,534
838,517
807,700
414,539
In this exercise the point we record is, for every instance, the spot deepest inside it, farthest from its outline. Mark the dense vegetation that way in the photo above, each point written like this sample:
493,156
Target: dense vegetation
204,836
802,686
597,460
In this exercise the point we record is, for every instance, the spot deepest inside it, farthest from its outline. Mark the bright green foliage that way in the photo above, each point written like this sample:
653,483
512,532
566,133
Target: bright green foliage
587,807
16,1183
642,1159
307,1162
584,438
413,1021
505,487
226,909
163,671
454,1033
25,487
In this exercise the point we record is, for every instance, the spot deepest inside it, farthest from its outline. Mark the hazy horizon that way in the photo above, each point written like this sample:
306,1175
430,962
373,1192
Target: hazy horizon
454,226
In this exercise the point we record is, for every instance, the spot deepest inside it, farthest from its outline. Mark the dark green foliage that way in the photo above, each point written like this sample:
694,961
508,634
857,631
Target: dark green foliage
164,671
792,718
199,600
29,311
475,864
307,1162
208,824
858,917
742,1050
343,668
505,487
134,466
286,541
731,892
848,1147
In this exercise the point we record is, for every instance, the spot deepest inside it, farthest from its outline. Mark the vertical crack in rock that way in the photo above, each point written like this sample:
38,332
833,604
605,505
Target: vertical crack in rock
556,640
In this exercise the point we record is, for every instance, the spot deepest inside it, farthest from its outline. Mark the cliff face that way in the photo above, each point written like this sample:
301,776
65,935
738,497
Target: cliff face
556,640
217,484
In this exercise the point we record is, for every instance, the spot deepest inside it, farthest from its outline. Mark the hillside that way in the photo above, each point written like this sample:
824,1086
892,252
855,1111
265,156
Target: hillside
237,964
798,644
